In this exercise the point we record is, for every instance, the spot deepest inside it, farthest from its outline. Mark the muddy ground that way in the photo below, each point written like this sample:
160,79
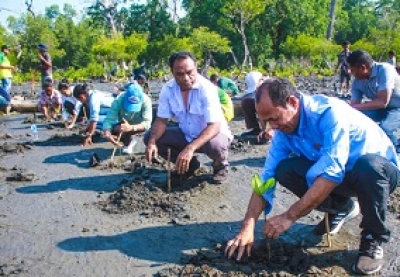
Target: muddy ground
71,211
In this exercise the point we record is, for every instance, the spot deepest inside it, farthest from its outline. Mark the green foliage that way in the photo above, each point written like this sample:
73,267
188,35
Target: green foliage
206,42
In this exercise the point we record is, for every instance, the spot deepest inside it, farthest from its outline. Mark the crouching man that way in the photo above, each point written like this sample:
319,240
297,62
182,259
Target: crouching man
193,101
325,152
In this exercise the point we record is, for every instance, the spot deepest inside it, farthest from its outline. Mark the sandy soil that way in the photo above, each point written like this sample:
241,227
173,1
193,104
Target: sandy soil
61,217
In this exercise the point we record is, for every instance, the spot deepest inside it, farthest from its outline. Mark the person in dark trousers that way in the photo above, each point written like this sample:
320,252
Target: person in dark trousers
45,63
379,83
325,152
344,75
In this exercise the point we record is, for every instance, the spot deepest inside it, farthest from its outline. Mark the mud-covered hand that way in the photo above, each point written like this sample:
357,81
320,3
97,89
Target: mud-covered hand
151,151
267,134
183,160
242,243
87,141
276,225
111,138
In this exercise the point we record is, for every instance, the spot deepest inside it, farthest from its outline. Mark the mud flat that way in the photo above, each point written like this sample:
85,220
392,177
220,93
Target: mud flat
61,217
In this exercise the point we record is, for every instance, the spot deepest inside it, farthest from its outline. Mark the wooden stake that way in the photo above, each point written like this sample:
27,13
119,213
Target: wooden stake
115,146
169,169
328,230
84,113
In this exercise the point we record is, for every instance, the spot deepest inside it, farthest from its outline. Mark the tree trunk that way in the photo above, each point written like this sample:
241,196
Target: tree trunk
247,57
332,15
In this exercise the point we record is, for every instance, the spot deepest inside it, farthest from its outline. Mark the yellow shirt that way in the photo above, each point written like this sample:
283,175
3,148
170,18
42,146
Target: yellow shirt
4,61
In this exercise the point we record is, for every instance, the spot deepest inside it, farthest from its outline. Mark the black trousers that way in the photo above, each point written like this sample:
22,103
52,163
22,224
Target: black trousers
371,180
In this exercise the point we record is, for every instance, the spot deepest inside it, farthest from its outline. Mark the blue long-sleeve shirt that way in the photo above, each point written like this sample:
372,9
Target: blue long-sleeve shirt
333,135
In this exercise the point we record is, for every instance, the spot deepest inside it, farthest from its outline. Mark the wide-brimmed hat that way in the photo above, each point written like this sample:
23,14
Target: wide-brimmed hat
133,97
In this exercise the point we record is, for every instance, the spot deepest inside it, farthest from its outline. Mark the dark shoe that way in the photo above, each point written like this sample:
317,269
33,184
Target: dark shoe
370,256
336,220
220,174
254,132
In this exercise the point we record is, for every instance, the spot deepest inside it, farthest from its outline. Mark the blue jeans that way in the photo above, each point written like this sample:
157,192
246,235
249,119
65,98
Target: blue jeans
372,180
6,84
388,119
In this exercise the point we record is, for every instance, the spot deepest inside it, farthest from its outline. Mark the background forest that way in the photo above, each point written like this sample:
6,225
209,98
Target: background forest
281,37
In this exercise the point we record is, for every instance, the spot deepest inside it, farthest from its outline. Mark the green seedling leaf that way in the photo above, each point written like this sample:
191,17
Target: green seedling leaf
260,188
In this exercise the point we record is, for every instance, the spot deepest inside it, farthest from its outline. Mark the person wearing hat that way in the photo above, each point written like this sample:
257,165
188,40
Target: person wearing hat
45,66
130,114
253,80
99,104
6,71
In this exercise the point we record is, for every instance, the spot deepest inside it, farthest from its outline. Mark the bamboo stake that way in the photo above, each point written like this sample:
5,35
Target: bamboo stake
169,169
84,113
115,147
327,229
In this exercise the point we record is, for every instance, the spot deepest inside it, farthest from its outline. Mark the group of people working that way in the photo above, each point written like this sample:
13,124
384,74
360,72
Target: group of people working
322,149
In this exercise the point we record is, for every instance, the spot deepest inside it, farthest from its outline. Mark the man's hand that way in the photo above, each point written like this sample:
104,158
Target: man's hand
87,141
242,242
276,225
14,69
267,134
151,151
125,126
111,138
183,160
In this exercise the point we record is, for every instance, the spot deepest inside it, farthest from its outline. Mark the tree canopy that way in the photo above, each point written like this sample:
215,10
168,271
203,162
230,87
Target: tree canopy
222,33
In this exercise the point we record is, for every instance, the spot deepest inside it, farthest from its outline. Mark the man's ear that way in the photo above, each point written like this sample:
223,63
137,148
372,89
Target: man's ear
293,101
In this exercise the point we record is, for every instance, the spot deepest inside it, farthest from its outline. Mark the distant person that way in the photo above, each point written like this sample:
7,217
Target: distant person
6,73
71,107
98,103
50,101
380,84
141,70
193,101
143,82
5,101
46,65
344,75
133,112
260,129
226,104
325,153
392,58
228,85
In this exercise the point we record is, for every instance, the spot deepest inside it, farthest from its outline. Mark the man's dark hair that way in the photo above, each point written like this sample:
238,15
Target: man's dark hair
47,83
140,77
279,89
391,52
214,77
181,55
80,89
345,43
359,58
63,84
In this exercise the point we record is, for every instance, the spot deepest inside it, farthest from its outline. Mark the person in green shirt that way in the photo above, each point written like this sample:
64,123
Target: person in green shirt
130,114
226,105
228,85
6,71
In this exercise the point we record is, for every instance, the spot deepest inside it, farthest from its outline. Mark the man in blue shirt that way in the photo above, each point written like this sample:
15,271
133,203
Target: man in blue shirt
325,152
380,84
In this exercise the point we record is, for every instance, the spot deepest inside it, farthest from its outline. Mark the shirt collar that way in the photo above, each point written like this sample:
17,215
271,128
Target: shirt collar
374,70
302,121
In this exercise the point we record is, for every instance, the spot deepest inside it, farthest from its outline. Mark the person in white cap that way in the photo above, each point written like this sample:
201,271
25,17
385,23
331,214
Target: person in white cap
253,80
